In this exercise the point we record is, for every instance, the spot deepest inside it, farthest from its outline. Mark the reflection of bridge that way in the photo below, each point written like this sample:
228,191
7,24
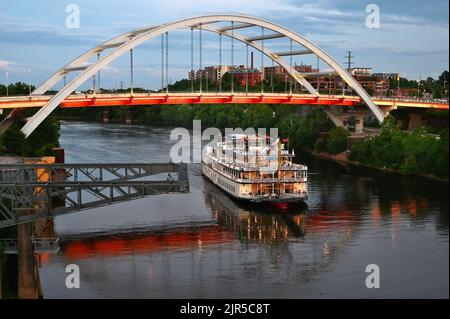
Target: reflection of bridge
256,34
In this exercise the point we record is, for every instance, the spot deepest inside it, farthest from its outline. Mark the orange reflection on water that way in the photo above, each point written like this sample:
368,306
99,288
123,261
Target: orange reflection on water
117,246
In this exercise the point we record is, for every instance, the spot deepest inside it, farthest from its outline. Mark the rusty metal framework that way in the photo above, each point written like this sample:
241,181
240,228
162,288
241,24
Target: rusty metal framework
75,187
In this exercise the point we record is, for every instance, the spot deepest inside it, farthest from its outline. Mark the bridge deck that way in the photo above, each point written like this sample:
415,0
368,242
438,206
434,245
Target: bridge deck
99,100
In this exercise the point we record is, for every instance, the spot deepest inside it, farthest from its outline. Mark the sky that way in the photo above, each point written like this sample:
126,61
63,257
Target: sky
412,38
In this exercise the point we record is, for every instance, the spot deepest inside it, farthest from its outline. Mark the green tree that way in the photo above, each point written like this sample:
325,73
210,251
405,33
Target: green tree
337,142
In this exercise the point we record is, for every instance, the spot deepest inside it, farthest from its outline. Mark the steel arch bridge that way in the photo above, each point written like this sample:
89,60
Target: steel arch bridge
126,42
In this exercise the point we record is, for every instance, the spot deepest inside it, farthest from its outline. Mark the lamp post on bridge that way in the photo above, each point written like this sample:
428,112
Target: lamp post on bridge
115,81
285,83
418,89
7,83
29,84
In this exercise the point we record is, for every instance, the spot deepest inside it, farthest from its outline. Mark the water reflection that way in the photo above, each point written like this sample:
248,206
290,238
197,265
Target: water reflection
204,244
253,223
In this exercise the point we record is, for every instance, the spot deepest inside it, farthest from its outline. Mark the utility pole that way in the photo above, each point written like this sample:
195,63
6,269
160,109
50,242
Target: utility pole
349,62
349,67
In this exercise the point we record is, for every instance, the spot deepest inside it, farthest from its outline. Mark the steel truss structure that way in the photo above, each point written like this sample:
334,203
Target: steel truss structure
74,187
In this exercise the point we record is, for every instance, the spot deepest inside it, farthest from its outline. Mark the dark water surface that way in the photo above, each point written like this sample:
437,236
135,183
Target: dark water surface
205,245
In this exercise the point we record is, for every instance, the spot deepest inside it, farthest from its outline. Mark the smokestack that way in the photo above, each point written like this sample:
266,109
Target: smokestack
251,60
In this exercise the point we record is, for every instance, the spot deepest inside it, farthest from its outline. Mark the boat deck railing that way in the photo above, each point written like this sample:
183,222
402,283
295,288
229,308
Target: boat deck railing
40,245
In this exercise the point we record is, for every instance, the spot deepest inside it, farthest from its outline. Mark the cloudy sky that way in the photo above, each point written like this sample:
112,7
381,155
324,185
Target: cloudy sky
35,42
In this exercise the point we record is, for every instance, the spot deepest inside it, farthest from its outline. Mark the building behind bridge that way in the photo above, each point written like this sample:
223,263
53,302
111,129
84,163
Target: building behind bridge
328,82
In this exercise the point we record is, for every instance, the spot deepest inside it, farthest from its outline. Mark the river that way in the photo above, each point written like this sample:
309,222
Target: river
204,245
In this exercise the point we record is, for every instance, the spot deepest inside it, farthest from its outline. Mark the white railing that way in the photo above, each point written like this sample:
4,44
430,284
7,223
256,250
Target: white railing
40,245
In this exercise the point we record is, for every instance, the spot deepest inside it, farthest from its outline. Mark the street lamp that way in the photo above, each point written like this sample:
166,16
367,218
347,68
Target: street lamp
285,83
7,83
418,89
115,80
29,84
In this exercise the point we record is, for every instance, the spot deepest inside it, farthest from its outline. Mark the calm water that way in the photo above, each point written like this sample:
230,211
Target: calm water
204,245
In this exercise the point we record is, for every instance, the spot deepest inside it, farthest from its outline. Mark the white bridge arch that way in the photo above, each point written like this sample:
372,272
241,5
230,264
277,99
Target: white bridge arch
127,41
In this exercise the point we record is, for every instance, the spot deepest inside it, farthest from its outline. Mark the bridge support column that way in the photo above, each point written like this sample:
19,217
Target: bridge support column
128,118
359,124
1,284
105,118
9,120
414,120
336,119
29,283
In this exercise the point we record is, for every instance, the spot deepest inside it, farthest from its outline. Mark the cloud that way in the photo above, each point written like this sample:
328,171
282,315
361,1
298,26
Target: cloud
408,37
6,64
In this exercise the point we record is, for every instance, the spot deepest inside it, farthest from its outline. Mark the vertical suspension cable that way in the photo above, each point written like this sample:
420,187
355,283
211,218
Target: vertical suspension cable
246,68
131,71
318,76
262,59
271,75
192,60
93,85
220,62
162,63
290,67
98,74
200,58
232,57
167,62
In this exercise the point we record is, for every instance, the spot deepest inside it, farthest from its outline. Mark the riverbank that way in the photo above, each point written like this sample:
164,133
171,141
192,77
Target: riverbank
417,153
342,158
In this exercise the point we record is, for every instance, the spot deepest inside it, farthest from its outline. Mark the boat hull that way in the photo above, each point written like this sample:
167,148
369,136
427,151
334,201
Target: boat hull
212,177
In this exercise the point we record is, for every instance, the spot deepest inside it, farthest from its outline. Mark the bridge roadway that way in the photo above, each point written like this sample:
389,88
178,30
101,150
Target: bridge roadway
98,100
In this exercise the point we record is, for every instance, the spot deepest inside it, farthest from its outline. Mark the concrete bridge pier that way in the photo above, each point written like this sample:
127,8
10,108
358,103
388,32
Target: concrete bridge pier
414,120
128,118
1,284
29,286
340,117
359,124
105,117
